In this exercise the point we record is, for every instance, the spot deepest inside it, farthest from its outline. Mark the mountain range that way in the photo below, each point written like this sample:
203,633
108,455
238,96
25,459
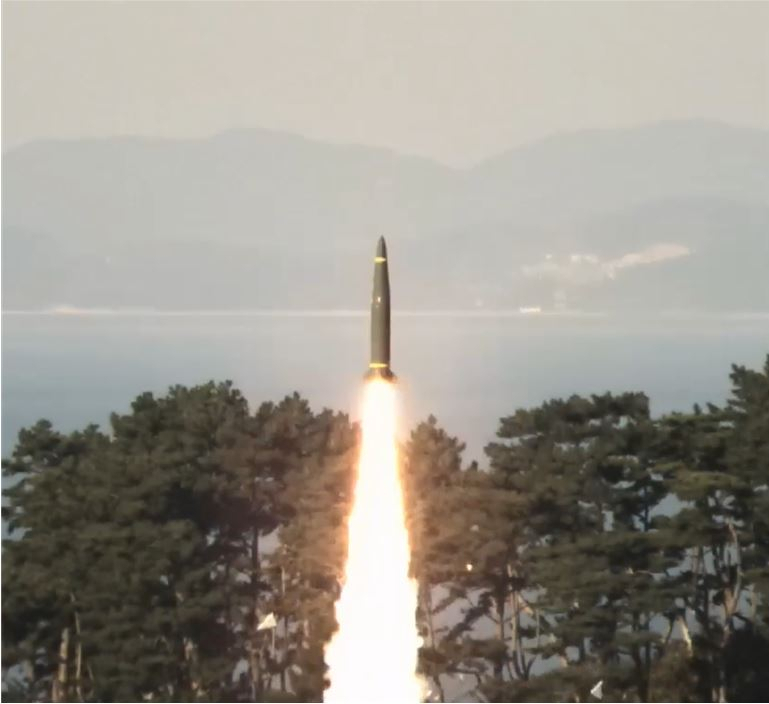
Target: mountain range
670,216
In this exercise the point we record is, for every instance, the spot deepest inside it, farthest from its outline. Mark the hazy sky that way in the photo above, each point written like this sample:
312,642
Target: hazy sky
456,82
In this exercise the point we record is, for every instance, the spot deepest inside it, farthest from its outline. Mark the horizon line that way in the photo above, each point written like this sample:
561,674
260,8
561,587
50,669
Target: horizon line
528,313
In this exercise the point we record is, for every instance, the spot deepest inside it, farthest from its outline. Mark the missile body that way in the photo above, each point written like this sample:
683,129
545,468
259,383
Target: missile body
379,363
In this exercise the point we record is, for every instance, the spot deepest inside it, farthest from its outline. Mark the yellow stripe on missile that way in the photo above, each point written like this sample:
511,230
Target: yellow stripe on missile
379,260
377,365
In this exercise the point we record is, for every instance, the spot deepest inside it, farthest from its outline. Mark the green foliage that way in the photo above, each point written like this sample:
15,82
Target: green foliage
134,560
601,544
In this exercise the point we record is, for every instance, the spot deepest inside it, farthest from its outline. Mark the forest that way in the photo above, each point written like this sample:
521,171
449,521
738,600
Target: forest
193,551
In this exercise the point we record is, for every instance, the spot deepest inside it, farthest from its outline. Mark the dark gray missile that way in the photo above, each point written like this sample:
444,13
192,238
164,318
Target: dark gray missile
379,363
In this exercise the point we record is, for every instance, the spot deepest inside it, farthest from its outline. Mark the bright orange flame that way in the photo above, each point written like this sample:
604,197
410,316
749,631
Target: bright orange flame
373,655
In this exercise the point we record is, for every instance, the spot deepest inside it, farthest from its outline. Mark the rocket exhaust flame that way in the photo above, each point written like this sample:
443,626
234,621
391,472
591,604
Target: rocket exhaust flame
373,655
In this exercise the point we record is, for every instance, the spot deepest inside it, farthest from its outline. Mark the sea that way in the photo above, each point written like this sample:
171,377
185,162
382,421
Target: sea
467,368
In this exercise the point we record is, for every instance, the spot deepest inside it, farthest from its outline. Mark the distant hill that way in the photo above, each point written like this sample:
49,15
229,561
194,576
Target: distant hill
673,215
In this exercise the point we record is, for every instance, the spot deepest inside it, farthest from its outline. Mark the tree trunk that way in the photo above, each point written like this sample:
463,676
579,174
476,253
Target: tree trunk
516,654
635,654
253,665
59,690
428,610
499,662
428,598
79,667
721,693
647,670
255,654
191,658
284,647
78,655
687,638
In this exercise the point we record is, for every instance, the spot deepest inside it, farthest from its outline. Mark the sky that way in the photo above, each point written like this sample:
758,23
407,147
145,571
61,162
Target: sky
455,82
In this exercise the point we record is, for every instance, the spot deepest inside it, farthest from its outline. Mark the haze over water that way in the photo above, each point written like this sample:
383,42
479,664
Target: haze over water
468,371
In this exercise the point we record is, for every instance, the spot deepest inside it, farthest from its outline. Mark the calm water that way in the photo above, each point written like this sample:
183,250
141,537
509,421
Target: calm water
468,371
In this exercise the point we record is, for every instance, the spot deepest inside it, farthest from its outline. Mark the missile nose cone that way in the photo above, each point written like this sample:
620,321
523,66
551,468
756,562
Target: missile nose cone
381,248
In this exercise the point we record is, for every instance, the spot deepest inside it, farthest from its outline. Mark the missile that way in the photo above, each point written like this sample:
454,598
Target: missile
379,363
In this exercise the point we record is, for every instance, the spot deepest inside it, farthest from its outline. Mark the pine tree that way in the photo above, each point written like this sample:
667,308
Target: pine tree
43,563
716,464
136,562
601,545
432,461
748,457
251,505
462,528
588,544
308,562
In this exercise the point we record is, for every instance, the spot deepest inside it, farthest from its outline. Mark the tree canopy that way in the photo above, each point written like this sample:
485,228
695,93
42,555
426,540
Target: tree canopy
194,550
